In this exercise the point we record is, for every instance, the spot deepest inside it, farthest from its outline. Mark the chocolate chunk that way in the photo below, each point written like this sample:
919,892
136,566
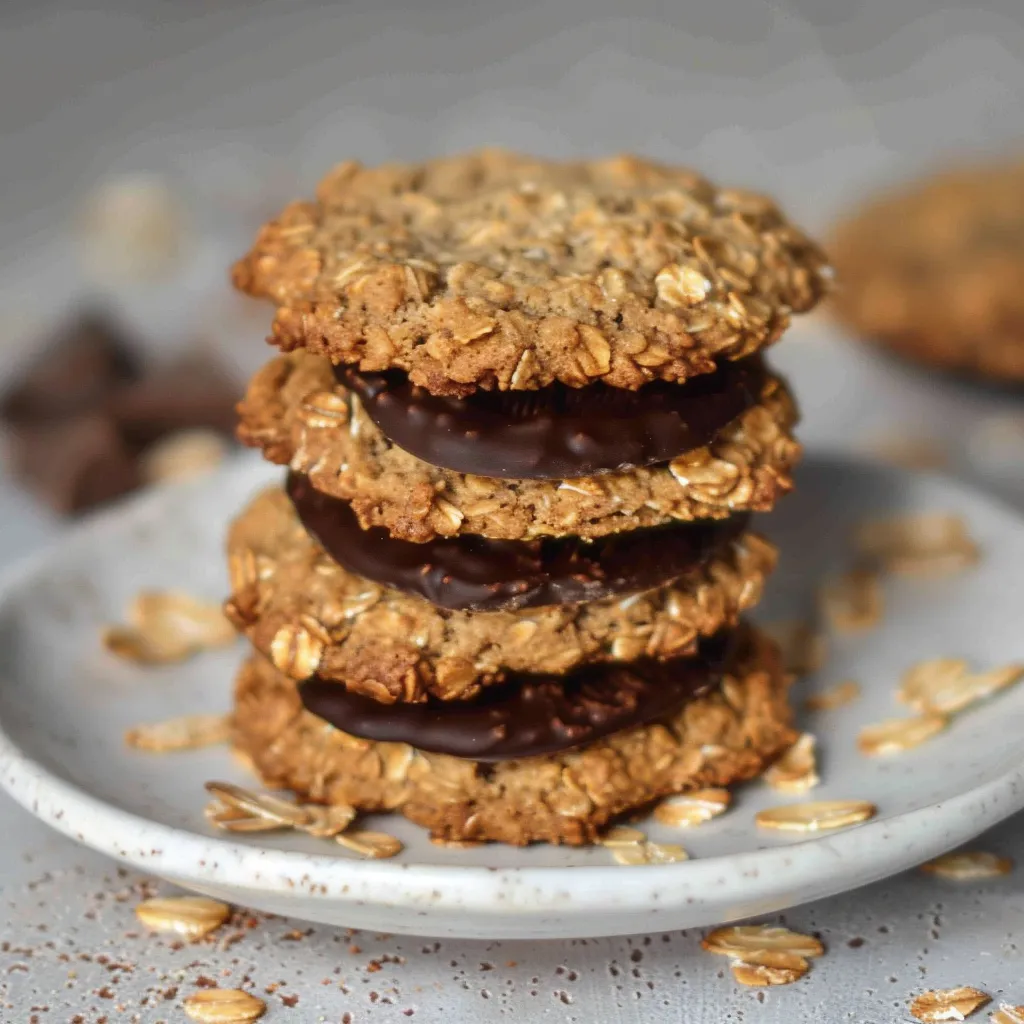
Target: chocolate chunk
192,393
530,714
85,412
473,572
79,368
74,464
556,432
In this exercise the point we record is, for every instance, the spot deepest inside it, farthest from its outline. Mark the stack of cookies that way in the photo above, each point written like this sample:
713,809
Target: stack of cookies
526,421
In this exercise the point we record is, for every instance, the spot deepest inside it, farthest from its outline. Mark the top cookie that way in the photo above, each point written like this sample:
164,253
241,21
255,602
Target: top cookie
492,270
934,271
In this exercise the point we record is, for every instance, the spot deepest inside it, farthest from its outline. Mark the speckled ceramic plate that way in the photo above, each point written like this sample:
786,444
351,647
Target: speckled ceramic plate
64,705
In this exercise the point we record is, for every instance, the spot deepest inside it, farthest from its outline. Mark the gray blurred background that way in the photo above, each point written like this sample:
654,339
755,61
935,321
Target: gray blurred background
242,104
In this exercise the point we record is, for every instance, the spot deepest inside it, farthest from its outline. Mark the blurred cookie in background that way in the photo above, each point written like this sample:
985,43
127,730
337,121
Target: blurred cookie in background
91,419
935,270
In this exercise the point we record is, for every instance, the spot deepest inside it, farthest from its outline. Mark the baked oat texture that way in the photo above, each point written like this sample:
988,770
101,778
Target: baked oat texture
296,412
496,270
725,737
934,271
307,614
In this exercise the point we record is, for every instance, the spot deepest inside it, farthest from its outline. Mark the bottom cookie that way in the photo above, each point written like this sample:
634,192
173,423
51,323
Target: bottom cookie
724,737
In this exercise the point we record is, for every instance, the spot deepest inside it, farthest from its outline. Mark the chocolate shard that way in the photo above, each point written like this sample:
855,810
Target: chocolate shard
79,367
85,411
193,393
74,464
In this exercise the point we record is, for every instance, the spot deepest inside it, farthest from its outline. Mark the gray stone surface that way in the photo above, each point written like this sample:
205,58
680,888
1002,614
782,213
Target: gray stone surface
75,949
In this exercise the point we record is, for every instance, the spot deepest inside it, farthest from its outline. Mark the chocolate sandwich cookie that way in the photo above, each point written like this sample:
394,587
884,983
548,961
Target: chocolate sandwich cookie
727,734
310,616
557,432
933,271
471,573
500,272
296,412
530,713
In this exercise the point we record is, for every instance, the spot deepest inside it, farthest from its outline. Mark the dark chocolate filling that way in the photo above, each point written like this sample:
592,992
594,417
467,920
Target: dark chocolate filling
475,573
556,432
530,714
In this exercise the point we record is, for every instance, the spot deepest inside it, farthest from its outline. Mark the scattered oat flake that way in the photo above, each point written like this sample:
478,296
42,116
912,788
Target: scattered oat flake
665,853
327,822
796,771
183,455
1007,1014
948,1003
190,732
979,685
192,917
838,696
231,819
762,967
168,626
632,855
373,845
132,227
648,853
224,1006
969,866
925,683
779,958
925,544
895,735
803,649
748,941
852,603
259,805
760,976
129,644
621,835
201,621
689,809
815,816
945,684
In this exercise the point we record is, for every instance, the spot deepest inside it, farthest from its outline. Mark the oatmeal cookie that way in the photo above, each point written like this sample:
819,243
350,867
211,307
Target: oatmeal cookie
934,271
495,270
297,413
724,737
308,615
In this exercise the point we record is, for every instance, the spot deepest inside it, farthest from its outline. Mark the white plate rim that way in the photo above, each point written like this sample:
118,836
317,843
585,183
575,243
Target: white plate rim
208,860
